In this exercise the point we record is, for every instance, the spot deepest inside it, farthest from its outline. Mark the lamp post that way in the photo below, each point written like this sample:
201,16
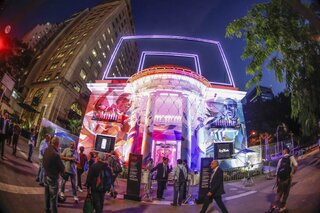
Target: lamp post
277,134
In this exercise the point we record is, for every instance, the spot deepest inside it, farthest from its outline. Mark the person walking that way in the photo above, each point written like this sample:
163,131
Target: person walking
116,168
94,173
147,186
4,127
53,167
179,177
44,144
163,171
80,167
70,158
10,132
185,164
216,188
286,168
15,138
31,143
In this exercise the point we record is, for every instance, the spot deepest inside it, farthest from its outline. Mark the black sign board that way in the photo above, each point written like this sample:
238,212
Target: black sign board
223,150
134,178
104,143
205,174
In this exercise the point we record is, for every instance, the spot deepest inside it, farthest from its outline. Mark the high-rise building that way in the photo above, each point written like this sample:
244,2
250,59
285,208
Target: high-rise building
78,55
266,94
40,35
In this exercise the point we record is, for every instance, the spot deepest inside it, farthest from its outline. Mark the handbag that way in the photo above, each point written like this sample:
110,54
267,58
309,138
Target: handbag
88,204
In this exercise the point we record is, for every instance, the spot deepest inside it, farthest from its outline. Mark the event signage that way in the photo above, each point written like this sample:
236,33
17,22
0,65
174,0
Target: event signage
104,143
223,150
134,178
205,173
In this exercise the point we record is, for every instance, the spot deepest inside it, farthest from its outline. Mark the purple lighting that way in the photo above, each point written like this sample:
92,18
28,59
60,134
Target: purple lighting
225,61
174,54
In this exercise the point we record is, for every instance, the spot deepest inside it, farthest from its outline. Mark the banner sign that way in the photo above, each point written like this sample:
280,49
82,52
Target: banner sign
223,150
134,178
205,173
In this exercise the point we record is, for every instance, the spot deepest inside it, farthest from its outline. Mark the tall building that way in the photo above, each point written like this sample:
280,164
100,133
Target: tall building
266,94
40,35
76,56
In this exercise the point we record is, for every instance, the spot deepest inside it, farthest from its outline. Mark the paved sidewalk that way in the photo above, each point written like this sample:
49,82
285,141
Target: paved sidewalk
20,193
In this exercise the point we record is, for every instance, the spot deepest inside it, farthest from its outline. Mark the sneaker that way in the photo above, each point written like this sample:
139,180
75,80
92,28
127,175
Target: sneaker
61,194
76,199
79,189
283,209
271,210
173,204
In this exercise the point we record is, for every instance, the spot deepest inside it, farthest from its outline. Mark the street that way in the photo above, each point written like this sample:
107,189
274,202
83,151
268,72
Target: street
19,192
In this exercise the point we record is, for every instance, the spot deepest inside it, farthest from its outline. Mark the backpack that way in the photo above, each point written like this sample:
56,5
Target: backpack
116,166
181,177
104,180
284,170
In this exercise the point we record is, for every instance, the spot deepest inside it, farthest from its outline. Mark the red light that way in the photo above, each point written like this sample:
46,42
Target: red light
2,44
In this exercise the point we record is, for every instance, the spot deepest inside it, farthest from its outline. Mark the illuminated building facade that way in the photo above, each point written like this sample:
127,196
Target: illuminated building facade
77,56
166,110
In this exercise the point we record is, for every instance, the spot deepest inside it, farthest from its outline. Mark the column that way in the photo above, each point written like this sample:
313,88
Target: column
186,130
148,129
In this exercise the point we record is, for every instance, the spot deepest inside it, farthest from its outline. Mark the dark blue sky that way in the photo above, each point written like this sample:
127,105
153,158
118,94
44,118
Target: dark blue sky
196,18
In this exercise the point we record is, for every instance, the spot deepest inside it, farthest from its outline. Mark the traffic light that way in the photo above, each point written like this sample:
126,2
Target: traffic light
3,44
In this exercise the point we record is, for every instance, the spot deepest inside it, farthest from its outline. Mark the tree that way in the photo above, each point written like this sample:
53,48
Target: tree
74,126
280,39
15,58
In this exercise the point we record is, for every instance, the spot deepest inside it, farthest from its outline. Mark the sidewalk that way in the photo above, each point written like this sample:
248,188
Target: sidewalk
20,193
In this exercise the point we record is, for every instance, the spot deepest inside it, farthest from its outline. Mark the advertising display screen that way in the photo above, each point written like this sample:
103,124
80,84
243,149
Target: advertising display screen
223,150
104,143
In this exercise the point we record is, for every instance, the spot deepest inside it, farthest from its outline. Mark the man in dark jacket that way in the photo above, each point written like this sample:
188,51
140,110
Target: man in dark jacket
216,188
4,128
94,172
163,171
53,167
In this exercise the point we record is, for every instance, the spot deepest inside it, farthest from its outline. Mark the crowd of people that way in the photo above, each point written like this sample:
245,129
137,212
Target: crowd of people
71,164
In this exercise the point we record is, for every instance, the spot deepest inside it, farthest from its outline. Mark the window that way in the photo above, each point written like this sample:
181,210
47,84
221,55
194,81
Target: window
36,100
108,46
104,37
99,63
77,86
83,74
109,30
75,107
89,62
104,54
112,41
99,45
46,78
96,73
50,92
57,76
94,53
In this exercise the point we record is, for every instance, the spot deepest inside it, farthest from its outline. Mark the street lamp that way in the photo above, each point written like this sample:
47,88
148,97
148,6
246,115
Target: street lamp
277,134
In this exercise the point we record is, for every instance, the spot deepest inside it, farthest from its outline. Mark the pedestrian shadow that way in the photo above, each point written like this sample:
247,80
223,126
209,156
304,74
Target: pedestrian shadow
138,209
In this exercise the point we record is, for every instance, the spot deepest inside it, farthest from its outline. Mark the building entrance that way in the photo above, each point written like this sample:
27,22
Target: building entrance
168,149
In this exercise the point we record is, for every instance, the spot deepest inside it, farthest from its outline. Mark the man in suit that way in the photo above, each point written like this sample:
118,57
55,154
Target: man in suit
4,128
216,188
163,171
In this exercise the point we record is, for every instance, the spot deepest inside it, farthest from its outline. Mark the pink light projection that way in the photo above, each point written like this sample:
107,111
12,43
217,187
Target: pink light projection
174,54
225,61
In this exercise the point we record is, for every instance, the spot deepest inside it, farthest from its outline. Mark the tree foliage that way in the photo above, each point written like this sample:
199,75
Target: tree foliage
281,40
15,59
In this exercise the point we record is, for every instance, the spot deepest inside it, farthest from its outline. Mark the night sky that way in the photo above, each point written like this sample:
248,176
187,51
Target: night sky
195,18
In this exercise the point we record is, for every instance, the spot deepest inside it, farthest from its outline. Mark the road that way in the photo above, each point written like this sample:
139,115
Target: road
19,193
